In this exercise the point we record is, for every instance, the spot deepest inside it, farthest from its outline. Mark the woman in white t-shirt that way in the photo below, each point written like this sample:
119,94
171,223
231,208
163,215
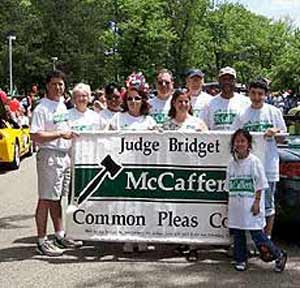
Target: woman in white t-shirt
180,114
134,117
81,118
245,182
181,119
135,113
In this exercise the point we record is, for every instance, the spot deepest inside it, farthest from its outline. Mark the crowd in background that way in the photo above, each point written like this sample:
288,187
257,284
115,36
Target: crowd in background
19,107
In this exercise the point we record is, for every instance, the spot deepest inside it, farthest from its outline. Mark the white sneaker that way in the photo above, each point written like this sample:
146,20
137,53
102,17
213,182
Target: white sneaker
280,262
240,266
49,249
65,243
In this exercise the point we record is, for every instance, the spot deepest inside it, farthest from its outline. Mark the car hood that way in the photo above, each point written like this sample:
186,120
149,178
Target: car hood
290,152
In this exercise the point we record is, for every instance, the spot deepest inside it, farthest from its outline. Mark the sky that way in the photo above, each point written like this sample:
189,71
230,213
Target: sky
275,9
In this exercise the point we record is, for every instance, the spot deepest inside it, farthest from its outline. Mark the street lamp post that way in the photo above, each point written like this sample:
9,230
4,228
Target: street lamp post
10,39
114,50
54,59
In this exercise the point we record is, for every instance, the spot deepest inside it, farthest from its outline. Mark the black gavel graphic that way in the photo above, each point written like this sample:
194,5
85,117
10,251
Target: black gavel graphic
110,168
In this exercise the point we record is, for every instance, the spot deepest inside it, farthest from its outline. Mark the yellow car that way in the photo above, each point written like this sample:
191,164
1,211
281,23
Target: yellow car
15,142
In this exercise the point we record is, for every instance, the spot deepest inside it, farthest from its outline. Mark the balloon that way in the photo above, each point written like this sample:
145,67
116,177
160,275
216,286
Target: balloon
14,105
3,97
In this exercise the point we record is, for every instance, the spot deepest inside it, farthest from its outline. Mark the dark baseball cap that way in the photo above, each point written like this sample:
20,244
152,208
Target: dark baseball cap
195,72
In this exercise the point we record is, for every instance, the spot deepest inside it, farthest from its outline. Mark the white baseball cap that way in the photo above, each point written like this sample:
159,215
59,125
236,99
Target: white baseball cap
227,70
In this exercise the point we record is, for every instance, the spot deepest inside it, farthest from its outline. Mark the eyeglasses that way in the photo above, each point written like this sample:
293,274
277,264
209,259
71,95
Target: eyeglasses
136,98
113,97
162,82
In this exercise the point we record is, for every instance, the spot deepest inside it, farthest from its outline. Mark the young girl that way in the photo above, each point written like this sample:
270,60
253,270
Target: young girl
246,181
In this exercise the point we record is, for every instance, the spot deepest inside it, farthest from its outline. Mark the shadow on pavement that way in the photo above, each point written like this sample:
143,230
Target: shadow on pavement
18,253
110,252
26,240
10,222
162,266
113,252
106,252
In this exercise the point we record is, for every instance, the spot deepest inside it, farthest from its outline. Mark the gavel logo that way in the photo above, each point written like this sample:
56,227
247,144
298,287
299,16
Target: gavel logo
110,169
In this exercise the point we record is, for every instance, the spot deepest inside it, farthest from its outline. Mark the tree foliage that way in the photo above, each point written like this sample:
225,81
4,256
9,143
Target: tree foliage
101,41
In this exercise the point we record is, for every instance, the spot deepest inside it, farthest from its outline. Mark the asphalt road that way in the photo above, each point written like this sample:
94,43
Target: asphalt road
104,264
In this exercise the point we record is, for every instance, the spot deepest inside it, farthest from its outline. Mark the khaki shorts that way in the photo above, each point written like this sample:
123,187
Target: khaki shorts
54,174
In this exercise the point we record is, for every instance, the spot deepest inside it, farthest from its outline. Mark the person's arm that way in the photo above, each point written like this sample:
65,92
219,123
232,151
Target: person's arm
256,204
202,126
47,136
271,132
280,126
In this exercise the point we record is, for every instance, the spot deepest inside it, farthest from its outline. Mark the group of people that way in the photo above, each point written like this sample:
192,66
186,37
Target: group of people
285,101
189,108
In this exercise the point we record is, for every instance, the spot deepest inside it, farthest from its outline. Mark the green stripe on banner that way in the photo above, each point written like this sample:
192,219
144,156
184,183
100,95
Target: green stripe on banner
156,183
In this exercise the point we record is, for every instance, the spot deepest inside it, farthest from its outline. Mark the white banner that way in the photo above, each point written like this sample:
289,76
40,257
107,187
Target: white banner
151,187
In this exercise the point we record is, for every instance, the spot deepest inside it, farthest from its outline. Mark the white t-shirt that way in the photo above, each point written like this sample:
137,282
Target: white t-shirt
23,120
159,109
220,113
190,123
243,178
199,103
260,120
51,116
124,121
106,114
86,121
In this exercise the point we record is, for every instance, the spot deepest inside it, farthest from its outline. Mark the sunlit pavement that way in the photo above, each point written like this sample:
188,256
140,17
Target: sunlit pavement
104,264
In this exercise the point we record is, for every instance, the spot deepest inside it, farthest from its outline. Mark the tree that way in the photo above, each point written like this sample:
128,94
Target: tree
285,72
148,35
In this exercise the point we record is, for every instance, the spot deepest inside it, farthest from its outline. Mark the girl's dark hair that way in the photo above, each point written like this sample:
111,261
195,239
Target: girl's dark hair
145,108
178,92
238,132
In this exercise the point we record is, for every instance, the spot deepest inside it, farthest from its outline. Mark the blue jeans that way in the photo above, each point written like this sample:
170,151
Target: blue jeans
258,237
270,199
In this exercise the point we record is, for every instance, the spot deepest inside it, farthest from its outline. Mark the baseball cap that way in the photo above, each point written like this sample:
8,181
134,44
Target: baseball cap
227,70
195,72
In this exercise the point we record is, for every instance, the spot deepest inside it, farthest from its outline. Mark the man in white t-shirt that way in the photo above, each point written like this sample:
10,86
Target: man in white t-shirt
113,102
224,107
263,117
194,82
50,130
160,104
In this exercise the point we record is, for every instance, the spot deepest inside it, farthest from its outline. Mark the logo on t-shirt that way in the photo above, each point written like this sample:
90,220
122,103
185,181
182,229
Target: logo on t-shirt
60,117
159,117
81,128
197,112
224,117
241,186
257,126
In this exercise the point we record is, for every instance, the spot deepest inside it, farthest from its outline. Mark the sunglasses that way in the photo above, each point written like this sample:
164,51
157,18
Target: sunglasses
136,98
160,82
